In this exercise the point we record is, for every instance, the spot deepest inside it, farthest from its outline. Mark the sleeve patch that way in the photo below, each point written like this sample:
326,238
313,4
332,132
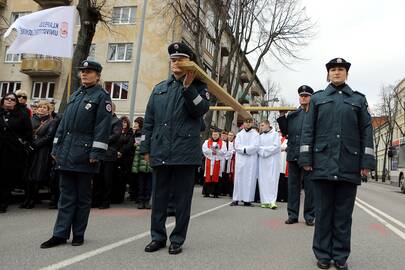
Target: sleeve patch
108,107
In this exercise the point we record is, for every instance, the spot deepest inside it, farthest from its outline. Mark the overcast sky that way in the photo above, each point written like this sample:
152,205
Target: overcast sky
368,33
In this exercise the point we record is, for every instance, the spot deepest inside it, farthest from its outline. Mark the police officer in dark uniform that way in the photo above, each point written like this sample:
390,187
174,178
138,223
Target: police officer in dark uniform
291,126
79,144
171,143
337,147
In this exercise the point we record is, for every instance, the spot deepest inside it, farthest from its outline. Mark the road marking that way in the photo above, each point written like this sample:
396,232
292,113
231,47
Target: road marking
112,246
382,221
393,220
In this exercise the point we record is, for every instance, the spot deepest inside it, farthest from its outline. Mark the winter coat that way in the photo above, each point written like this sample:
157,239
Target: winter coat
42,145
84,130
126,149
173,121
15,129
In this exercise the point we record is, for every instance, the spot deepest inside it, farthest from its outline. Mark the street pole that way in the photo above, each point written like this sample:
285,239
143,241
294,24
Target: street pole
137,63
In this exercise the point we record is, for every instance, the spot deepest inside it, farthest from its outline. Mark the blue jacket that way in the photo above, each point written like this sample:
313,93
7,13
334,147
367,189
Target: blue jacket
84,130
173,121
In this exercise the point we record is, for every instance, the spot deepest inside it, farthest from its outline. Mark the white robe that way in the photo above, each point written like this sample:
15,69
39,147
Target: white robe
269,166
209,154
229,156
283,157
246,147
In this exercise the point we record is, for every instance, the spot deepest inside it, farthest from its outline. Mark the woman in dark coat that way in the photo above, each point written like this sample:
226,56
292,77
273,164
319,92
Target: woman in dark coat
15,135
39,169
125,155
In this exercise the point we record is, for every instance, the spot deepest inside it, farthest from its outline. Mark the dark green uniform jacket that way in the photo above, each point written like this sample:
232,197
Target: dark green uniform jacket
337,136
291,125
84,130
173,120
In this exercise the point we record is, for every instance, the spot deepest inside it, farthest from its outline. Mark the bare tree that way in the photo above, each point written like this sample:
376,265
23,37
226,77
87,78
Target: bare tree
90,13
387,109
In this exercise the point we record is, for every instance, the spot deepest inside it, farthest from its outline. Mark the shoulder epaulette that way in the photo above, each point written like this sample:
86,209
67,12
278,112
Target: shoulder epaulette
317,92
361,94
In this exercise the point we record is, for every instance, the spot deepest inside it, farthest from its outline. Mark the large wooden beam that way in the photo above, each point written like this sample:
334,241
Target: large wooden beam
215,89
253,108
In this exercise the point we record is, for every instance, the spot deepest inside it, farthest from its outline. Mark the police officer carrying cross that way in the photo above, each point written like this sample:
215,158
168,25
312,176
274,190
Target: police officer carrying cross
337,147
171,132
80,143
291,126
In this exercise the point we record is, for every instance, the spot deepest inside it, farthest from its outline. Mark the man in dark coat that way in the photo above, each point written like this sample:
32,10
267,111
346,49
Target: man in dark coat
79,145
337,148
291,126
171,143
103,181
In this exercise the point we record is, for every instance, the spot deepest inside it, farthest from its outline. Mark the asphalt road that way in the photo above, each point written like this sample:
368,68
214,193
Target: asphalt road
220,237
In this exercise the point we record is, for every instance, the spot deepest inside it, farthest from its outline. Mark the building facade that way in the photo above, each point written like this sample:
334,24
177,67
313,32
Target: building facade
114,46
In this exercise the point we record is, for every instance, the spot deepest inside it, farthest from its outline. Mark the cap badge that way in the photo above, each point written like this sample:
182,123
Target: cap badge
176,46
339,61
85,64
303,87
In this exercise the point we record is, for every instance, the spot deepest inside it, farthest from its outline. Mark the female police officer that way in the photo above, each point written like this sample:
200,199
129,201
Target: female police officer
337,146
80,142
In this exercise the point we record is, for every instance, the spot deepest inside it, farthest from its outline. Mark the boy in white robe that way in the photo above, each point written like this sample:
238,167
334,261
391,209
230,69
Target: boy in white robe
246,147
269,165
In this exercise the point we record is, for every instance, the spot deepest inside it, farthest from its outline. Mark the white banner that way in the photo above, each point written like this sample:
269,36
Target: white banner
47,32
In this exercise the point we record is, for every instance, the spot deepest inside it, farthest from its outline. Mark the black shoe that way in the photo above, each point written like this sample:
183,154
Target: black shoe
30,205
104,206
155,246
3,208
310,222
175,249
247,204
53,242
291,221
147,205
206,196
323,264
341,266
53,206
216,196
24,204
234,203
77,241
141,205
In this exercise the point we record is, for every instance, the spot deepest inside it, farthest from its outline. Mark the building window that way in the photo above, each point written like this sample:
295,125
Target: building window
16,15
119,52
123,15
209,45
117,90
7,87
12,58
43,90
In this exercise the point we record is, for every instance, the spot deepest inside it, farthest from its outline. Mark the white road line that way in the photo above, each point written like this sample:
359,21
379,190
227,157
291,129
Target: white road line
383,221
393,220
109,247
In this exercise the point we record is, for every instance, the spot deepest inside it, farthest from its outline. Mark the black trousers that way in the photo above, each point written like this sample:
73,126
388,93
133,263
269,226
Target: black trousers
74,204
144,186
102,183
177,181
296,176
282,193
334,209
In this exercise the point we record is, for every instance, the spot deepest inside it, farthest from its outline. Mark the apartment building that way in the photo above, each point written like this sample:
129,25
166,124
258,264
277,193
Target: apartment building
114,46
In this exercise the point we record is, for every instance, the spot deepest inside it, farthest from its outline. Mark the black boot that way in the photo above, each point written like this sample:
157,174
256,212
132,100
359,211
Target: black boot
3,208
53,242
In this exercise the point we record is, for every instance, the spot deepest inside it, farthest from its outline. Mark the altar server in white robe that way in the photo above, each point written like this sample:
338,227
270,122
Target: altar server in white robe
246,147
269,165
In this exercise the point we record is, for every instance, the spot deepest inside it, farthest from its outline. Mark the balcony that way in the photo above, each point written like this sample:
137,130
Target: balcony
53,3
49,67
3,3
244,77
255,91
